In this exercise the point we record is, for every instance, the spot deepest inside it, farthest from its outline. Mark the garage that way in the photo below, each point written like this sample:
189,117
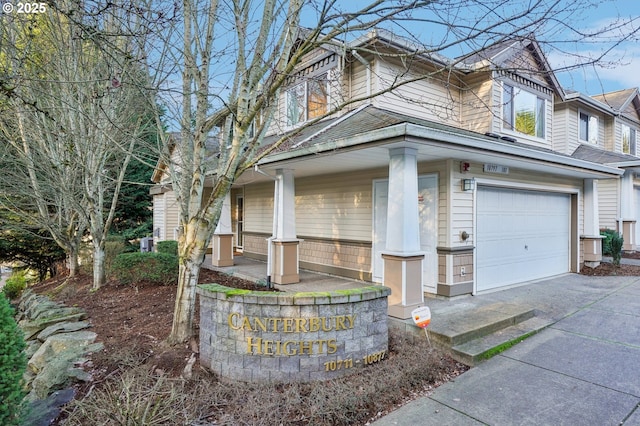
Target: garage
521,236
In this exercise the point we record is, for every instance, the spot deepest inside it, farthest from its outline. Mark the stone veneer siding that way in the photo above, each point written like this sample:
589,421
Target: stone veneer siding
224,346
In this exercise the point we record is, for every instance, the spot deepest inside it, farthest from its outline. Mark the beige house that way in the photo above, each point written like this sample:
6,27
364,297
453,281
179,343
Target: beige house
461,182
604,129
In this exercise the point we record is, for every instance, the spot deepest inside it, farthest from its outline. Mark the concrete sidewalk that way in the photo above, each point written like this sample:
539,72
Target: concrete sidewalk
584,369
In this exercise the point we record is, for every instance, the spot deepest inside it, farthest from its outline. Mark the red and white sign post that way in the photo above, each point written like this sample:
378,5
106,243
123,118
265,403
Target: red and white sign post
422,317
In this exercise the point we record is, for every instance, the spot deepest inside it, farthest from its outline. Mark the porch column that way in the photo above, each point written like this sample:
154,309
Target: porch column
222,240
402,256
592,241
627,207
283,256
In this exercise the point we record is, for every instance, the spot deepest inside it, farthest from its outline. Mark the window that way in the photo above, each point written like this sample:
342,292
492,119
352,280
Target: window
588,127
628,140
523,112
307,100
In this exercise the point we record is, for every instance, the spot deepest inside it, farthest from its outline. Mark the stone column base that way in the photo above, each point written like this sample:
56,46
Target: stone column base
403,274
284,266
592,246
222,253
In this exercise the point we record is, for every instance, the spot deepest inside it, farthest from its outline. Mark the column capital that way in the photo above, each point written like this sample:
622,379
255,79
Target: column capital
403,150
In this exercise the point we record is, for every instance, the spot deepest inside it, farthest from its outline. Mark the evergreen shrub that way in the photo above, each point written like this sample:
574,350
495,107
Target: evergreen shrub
15,285
12,366
616,248
169,247
606,241
155,268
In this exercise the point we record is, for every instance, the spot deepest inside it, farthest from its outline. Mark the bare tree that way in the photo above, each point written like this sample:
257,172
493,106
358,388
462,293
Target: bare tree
74,117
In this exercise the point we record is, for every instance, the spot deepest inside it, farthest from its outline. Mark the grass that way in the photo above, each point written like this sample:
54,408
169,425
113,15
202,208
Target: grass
506,345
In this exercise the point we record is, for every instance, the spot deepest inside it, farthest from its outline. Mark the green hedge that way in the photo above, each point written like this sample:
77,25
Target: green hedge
169,247
612,244
156,268
12,366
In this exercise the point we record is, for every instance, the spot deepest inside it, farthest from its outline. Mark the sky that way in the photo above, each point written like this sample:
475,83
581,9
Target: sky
623,72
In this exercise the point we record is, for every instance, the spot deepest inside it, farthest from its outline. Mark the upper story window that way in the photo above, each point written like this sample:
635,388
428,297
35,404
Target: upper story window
628,140
523,111
307,100
588,126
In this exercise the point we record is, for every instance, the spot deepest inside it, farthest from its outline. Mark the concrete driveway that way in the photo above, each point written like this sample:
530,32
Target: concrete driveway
582,370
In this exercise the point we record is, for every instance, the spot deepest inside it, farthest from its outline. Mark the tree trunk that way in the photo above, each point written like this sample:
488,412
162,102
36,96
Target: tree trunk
72,263
192,246
99,274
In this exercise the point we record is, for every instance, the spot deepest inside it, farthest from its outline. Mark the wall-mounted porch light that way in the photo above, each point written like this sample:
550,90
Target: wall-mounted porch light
468,184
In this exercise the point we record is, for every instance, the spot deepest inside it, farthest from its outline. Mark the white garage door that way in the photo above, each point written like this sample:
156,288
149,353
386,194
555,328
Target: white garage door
521,236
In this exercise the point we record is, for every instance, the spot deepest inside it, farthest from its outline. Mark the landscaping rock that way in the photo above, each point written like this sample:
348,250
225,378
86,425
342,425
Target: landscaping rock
57,345
58,372
32,327
61,346
62,327
43,412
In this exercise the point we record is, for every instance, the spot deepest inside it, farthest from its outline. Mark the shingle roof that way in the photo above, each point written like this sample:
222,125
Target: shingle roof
597,155
370,118
618,99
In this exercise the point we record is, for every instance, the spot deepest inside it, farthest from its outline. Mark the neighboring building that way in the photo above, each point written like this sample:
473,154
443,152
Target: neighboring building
462,182
604,129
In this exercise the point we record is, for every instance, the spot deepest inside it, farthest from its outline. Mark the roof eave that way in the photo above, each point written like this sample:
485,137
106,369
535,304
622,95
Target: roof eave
448,137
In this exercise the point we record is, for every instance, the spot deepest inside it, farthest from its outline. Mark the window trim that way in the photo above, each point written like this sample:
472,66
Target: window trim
306,99
588,128
633,142
509,92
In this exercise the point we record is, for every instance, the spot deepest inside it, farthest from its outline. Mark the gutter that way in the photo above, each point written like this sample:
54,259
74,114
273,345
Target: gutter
439,137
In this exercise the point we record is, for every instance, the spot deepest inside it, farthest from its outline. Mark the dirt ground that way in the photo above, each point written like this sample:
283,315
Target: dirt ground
136,320
606,269
132,320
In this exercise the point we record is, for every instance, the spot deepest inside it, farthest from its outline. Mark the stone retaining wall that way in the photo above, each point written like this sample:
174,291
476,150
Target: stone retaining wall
265,336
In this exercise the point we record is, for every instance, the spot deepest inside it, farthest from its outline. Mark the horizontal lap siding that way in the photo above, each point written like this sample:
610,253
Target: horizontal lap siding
258,207
173,216
427,98
159,214
562,142
608,203
476,104
334,207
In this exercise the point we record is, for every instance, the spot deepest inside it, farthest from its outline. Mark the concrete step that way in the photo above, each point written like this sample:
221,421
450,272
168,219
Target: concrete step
462,324
472,333
474,351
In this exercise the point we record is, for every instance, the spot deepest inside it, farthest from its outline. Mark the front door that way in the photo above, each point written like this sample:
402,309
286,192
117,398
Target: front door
428,215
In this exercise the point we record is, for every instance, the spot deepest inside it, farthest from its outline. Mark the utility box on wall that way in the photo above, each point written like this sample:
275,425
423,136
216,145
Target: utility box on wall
146,245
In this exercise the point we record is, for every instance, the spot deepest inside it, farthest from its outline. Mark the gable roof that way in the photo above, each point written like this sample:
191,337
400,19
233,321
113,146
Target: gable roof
618,100
622,101
506,53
